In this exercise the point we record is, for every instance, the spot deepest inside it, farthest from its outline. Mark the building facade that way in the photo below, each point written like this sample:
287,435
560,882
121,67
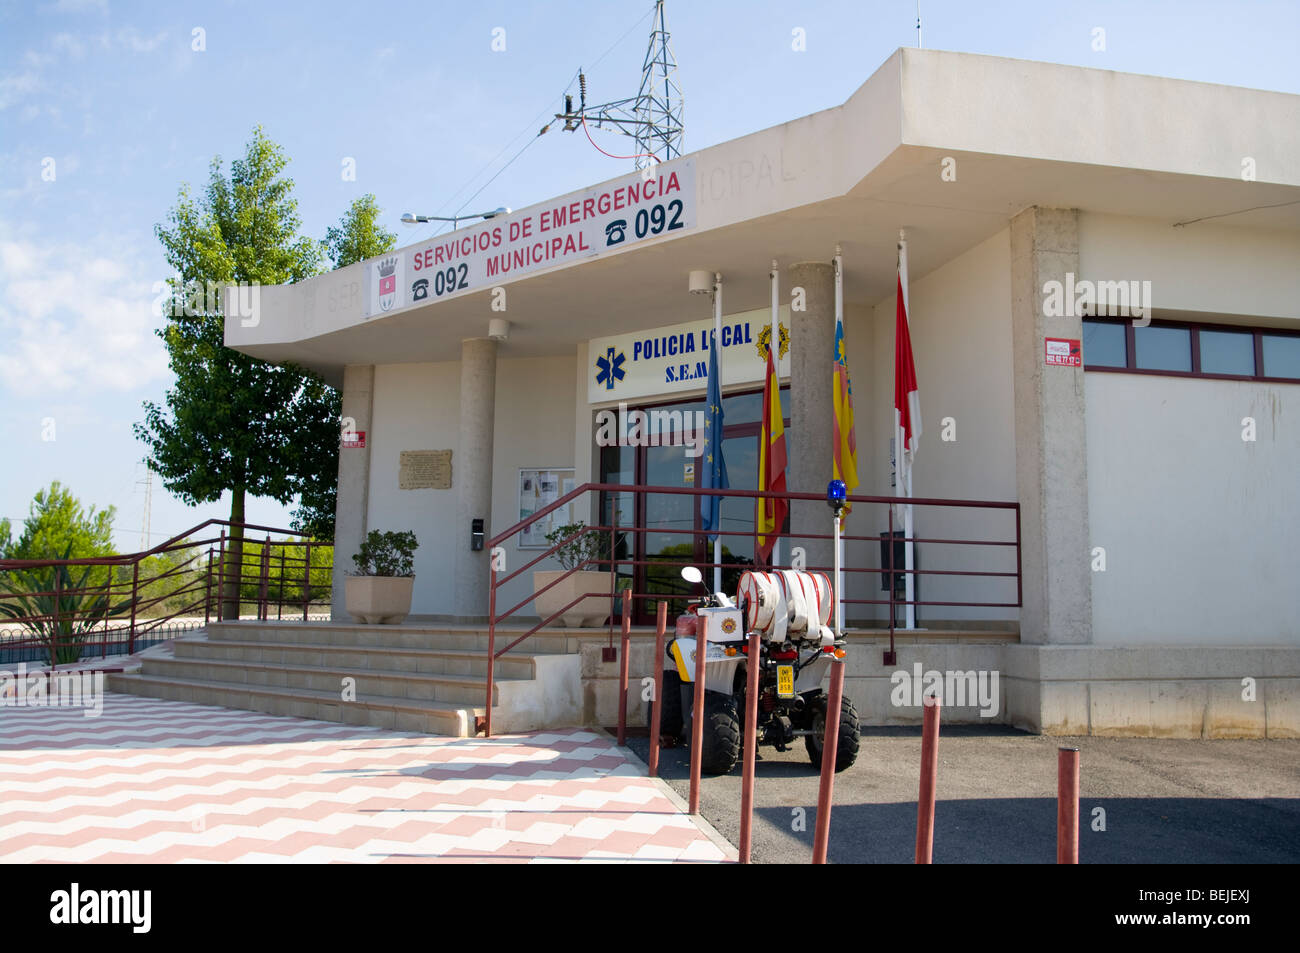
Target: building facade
1154,222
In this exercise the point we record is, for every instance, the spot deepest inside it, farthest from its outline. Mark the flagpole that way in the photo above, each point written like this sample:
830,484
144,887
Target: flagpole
839,519
903,485
774,346
717,343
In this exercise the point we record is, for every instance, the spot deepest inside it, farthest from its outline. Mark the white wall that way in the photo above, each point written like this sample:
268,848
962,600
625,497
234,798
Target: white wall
417,407
1199,526
1204,267
961,342
534,428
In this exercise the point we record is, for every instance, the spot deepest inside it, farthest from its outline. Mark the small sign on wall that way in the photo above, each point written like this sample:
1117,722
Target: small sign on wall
1063,352
356,440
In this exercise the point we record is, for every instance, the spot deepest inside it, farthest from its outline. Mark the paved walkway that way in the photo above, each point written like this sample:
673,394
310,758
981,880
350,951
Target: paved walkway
164,782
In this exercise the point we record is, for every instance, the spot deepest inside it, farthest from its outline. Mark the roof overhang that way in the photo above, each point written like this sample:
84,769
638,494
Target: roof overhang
1017,133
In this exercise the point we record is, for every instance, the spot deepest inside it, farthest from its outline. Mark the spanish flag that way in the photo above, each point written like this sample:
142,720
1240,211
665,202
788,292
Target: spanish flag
845,464
771,461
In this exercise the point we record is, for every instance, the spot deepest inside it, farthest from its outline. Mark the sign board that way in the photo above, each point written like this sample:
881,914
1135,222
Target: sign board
1063,352
538,489
673,359
356,440
424,470
655,203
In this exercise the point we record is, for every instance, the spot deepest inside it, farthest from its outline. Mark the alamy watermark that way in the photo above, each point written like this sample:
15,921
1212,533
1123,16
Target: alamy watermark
194,298
21,689
651,428
1125,299
955,689
133,908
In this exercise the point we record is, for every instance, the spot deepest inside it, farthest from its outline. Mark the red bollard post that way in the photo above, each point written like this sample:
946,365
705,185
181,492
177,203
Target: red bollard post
625,641
1067,805
656,702
697,714
750,747
830,748
929,769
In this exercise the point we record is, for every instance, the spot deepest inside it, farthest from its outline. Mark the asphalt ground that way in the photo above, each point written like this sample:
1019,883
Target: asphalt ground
1165,801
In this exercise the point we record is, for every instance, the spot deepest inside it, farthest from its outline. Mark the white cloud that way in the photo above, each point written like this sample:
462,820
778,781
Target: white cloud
68,45
16,86
129,38
72,316
78,6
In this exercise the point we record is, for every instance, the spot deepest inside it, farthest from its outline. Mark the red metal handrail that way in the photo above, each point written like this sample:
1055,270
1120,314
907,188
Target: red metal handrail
889,570
82,616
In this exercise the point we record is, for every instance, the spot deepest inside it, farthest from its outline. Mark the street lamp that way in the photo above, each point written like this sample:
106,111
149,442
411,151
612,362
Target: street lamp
411,219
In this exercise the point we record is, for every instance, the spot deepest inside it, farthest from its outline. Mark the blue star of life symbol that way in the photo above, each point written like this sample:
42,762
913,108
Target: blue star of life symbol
610,368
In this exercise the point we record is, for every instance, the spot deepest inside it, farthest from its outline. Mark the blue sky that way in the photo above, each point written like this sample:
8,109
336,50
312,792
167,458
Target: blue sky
116,95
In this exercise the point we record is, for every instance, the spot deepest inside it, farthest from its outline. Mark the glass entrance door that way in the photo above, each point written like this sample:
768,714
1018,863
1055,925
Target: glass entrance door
664,516
662,548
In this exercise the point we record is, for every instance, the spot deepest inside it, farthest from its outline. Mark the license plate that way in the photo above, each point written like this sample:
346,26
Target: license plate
785,681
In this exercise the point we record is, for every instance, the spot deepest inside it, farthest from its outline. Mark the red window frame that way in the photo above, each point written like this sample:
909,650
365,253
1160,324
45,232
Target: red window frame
1130,338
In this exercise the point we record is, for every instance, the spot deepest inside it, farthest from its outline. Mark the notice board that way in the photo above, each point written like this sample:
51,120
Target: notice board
539,487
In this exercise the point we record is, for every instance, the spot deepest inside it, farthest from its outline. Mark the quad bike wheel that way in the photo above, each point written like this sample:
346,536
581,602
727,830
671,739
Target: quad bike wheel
721,748
671,722
850,737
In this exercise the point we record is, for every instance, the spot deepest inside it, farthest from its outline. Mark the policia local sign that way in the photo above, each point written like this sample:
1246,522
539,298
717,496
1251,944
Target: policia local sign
675,359
645,205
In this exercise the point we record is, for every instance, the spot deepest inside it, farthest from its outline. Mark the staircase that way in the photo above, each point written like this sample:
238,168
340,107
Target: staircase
430,679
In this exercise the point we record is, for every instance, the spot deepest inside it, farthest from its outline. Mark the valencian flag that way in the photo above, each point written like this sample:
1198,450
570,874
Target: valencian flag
845,441
715,467
771,460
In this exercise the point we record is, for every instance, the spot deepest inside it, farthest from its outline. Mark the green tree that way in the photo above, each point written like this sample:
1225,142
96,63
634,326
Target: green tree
232,422
357,236
57,520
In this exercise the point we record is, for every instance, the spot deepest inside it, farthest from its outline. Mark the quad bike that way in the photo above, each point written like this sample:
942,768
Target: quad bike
789,610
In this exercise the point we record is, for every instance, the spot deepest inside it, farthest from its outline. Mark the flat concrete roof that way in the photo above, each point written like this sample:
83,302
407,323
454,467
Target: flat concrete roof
1020,133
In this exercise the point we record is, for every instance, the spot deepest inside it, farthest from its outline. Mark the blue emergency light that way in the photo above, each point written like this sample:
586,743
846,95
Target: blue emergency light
835,495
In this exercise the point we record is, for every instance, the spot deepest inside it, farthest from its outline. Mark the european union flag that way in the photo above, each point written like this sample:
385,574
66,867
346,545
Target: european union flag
715,467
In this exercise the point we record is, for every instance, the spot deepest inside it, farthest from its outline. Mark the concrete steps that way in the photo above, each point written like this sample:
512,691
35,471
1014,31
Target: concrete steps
421,678
401,714
462,689
354,659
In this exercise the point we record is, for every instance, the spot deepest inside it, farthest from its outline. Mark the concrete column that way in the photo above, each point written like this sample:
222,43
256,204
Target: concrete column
471,471
808,441
350,509
1051,436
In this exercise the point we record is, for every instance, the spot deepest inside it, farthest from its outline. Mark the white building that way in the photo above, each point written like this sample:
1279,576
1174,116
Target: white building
1158,484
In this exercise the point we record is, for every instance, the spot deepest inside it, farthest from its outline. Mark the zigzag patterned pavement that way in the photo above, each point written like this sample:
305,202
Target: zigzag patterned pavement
168,782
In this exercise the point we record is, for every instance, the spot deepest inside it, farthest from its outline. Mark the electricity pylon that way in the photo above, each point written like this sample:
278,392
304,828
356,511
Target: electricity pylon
653,117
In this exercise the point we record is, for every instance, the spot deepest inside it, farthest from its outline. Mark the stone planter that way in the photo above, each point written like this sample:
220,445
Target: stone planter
378,599
592,611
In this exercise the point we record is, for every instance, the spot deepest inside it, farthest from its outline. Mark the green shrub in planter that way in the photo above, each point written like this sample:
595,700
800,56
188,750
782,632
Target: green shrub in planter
386,554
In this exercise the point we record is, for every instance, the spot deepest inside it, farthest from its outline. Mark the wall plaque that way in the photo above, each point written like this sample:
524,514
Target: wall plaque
425,470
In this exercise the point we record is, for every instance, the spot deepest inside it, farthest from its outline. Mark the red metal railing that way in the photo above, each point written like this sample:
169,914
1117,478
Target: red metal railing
61,610
1002,584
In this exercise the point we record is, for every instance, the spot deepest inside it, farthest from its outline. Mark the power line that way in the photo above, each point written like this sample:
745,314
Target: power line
543,114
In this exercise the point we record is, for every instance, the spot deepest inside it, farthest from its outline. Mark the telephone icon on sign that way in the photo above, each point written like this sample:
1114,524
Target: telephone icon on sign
614,231
420,289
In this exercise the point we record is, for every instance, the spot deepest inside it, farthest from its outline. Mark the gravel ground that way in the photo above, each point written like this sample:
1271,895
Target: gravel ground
1165,800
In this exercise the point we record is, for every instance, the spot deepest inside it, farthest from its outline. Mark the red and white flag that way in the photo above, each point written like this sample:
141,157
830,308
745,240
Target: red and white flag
907,398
